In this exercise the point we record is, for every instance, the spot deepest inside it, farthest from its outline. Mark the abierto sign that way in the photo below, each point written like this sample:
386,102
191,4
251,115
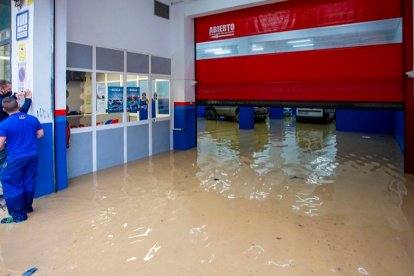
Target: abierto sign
220,31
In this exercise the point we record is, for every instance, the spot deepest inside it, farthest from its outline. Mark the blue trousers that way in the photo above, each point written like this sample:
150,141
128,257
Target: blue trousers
18,179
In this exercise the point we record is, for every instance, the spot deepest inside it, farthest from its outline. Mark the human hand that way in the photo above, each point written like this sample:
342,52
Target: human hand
28,94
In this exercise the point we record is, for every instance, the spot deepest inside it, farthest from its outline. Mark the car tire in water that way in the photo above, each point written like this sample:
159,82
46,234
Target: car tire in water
211,115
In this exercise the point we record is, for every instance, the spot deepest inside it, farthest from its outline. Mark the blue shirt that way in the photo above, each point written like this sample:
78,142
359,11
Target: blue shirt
20,130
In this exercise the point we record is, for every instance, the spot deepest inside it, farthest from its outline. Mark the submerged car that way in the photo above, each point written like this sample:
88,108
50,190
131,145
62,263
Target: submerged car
214,112
308,114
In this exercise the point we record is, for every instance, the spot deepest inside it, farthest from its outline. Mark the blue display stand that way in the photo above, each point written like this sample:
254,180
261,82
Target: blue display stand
143,110
153,108
246,117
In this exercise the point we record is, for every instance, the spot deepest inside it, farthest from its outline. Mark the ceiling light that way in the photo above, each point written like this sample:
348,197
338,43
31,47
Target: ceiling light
212,50
222,52
4,58
303,45
299,41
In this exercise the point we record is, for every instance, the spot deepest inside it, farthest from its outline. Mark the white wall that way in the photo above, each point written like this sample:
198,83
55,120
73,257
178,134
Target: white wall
206,7
183,55
123,24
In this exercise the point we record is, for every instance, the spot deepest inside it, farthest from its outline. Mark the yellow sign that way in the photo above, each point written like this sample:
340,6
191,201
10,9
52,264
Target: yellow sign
29,2
22,51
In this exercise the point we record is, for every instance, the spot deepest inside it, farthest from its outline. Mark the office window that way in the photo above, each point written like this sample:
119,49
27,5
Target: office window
137,101
78,98
161,97
109,98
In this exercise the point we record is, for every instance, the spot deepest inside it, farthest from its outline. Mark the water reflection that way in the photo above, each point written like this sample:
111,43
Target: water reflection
253,164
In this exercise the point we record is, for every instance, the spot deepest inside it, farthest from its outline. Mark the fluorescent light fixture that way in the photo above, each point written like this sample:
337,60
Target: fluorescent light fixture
256,48
222,52
303,45
299,41
4,58
212,50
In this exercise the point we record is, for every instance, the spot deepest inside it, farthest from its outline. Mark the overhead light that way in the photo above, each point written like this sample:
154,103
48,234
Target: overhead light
256,48
303,45
4,58
299,41
222,52
212,50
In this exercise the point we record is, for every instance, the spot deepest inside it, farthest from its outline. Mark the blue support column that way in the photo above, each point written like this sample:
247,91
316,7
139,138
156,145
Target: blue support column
45,183
60,153
246,117
185,131
201,110
276,113
399,129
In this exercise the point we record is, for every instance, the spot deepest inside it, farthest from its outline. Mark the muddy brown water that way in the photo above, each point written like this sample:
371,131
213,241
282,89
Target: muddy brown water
282,199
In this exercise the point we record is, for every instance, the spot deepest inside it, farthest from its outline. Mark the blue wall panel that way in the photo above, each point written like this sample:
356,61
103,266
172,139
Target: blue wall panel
372,121
45,183
109,148
60,154
79,154
160,137
137,142
185,127
399,129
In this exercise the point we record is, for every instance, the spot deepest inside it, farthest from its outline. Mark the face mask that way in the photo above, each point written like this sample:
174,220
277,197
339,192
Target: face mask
8,94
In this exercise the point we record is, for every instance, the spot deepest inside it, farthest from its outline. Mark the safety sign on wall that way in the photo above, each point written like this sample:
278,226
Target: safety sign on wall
22,25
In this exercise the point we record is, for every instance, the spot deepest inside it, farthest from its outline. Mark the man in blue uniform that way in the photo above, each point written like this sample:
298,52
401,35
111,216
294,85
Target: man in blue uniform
21,131
5,91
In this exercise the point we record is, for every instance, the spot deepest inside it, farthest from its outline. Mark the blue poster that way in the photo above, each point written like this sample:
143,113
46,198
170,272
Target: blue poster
133,99
115,99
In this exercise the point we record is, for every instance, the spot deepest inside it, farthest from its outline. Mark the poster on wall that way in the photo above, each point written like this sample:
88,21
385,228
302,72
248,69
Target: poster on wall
100,98
133,99
115,99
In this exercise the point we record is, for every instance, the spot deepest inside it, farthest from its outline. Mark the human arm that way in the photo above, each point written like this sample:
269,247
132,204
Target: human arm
40,133
2,142
27,101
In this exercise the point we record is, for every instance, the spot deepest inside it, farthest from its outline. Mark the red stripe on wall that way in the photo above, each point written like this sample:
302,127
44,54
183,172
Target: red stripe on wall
295,15
184,103
60,112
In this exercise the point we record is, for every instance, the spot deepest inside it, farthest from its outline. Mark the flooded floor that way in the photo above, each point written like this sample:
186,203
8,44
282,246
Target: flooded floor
282,199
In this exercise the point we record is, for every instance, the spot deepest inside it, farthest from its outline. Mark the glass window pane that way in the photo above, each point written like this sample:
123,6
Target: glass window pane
5,62
109,98
161,98
137,104
348,35
78,98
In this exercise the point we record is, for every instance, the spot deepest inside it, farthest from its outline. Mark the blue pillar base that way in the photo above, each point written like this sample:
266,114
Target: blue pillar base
201,110
399,129
246,117
185,131
276,113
